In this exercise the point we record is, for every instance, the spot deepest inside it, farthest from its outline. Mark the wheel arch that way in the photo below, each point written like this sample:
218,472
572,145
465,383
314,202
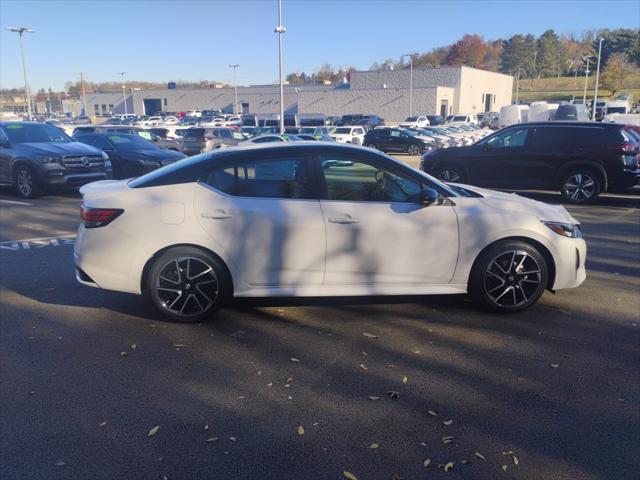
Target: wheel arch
584,163
454,162
544,251
152,258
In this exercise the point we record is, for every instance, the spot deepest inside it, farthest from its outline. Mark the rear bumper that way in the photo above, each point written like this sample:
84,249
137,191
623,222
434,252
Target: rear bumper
626,179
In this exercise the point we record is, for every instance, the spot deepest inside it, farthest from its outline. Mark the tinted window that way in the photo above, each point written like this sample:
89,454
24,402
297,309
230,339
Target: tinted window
193,132
359,181
131,142
34,133
574,137
282,178
514,137
98,142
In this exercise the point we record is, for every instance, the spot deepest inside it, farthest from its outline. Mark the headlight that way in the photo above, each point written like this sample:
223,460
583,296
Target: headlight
105,156
565,229
47,159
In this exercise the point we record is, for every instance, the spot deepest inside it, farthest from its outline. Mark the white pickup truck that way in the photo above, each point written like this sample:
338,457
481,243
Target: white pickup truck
349,134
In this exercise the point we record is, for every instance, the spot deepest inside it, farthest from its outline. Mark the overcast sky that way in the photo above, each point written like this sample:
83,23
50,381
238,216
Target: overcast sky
164,40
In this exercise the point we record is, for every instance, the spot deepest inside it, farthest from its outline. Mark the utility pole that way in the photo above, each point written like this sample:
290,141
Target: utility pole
124,92
575,86
280,30
84,95
410,55
235,87
586,78
20,31
595,96
517,85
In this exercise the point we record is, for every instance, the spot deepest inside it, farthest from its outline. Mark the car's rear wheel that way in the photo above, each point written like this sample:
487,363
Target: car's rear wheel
450,173
413,150
509,276
26,182
580,186
372,145
187,284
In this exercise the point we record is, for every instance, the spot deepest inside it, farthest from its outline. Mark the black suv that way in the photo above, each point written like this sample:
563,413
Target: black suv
36,155
580,159
397,140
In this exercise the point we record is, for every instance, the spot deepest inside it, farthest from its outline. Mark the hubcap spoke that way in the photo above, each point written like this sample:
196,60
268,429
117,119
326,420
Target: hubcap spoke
512,278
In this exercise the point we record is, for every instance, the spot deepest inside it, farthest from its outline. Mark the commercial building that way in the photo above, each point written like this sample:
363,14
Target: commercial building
445,91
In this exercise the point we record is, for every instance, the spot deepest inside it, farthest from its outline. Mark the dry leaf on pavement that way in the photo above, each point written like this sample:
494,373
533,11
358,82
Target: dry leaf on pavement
369,335
449,466
480,456
153,431
300,430
349,475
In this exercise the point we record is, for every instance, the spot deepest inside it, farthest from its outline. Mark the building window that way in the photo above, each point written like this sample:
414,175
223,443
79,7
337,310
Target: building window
97,109
104,109
165,102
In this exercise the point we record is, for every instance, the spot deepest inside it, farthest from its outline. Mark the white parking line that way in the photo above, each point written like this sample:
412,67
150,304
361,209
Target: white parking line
27,244
15,202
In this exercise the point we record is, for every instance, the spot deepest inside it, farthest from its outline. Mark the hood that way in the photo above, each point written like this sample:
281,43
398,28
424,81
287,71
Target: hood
514,202
157,155
61,149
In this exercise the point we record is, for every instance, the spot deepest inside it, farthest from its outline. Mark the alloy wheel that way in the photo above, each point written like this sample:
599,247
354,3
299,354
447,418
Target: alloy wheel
512,279
187,286
449,175
580,187
413,150
24,181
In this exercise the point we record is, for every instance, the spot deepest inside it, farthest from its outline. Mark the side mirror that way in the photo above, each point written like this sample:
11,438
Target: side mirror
429,196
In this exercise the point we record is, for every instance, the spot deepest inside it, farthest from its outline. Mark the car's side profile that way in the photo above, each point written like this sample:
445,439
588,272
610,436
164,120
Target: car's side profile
317,219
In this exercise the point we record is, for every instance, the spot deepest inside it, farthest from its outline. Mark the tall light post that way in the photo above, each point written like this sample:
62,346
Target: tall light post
280,30
410,55
586,78
124,92
84,95
517,85
595,96
235,87
20,31
575,86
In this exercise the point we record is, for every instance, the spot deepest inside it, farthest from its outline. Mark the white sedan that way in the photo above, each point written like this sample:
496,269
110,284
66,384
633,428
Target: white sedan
310,219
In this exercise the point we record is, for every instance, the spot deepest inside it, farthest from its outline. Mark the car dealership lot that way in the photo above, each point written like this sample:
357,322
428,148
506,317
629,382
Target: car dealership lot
551,392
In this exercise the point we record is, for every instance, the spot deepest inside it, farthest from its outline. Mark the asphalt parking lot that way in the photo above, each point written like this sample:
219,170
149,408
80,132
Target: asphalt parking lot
379,388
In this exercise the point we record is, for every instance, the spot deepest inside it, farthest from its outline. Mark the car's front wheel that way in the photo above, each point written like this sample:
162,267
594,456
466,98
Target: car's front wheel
450,173
508,276
25,182
413,150
187,284
580,186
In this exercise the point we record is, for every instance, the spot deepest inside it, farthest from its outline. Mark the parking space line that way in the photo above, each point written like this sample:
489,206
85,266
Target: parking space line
33,243
16,202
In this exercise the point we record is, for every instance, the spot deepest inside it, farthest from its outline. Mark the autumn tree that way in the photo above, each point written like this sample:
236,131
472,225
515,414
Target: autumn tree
616,72
470,50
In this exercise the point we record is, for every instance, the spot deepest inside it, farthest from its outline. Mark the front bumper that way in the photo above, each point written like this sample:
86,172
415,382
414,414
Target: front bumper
570,258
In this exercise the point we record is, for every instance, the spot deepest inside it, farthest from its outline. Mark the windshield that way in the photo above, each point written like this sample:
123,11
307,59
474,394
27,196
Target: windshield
131,142
34,133
454,129
343,131
411,119
459,118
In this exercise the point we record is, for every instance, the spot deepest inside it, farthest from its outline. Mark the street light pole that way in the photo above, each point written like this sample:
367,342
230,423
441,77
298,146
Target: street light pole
595,96
84,95
517,85
586,78
575,86
20,31
235,87
124,92
410,55
280,30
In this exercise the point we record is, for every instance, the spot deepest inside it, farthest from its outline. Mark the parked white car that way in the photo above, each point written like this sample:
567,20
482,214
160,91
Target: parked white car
349,134
512,114
317,219
473,118
542,111
415,122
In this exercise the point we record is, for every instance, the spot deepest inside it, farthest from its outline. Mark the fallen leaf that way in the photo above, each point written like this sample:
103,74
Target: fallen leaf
134,346
233,439
315,424
507,452
447,439
465,461
270,384
290,380
300,430
394,395
427,462
179,345
480,456
369,335
206,427
449,466
448,422
405,379
396,477
212,439
60,463
372,397
349,475
432,413
295,360
515,460
123,354
103,424
391,365
363,367
153,431
554,365
504,468
364,353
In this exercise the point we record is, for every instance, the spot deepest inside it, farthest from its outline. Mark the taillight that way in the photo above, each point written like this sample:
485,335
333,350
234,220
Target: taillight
625,148
208,137
99,217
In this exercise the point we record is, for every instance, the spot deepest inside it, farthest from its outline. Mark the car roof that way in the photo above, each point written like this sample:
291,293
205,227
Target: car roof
569,123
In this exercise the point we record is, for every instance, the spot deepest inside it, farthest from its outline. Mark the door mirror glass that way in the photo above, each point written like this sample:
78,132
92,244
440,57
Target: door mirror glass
429,196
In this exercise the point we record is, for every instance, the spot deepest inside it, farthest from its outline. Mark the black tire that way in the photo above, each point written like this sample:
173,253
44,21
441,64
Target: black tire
580,186
450,172
25,181
372,145
413,150
509,276
187,284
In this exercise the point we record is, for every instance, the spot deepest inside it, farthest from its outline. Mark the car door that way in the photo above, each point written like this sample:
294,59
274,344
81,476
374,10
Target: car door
377,231
396,141
5,158
263,216
497,160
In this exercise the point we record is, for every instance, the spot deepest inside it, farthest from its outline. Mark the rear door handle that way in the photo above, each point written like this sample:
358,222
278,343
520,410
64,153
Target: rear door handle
344,219
218,214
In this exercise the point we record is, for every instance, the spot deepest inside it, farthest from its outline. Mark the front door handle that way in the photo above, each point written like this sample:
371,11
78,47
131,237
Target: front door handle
218,214
344,219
